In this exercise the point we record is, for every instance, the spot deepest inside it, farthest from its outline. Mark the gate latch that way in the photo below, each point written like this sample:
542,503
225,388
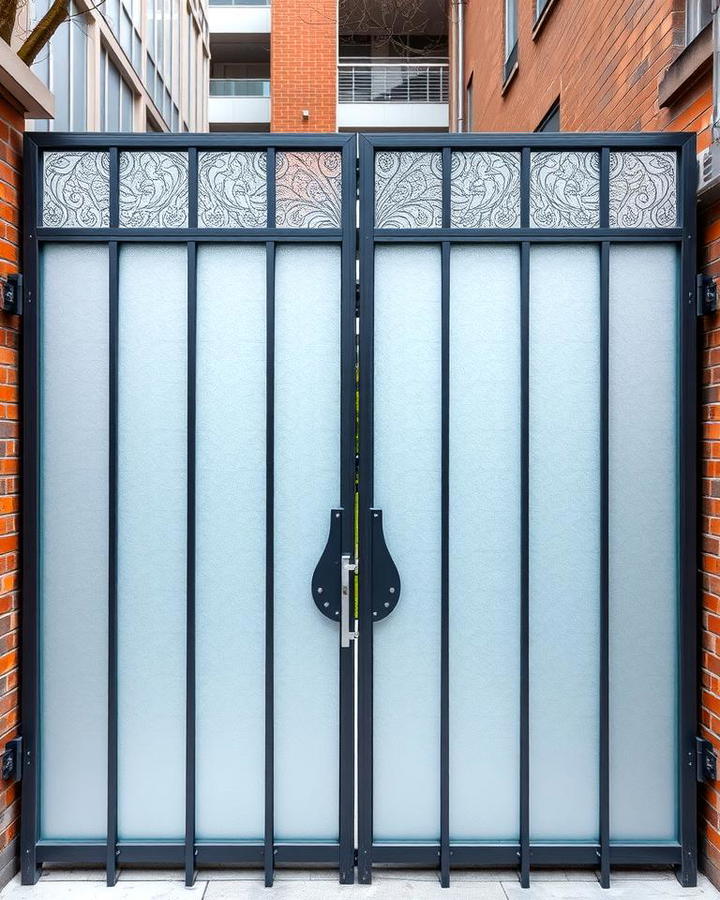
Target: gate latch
706,761
706,295
12,760
349,567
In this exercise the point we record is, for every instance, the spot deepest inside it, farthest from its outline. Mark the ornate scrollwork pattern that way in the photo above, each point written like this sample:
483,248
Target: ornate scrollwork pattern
564,189
485,190
643,190
76,189
232,190
408,189
153,189
308,189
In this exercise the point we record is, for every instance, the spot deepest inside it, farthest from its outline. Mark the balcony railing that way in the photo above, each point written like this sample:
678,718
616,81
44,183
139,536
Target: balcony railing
385,81
239,2
239,87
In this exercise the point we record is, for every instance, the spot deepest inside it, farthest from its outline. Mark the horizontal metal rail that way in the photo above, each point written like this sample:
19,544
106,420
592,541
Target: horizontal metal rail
362,81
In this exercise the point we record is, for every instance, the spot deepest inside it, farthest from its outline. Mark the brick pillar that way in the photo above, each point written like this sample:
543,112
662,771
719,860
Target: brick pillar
11,127
303,65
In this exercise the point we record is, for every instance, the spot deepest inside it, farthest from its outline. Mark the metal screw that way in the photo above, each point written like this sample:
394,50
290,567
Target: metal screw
392,590
320,590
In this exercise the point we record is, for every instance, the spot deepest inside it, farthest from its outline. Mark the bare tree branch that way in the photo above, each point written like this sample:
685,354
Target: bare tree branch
44,30
8,15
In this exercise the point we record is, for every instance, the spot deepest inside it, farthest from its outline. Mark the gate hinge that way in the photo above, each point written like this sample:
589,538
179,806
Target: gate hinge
12,760
706,295
706,761
11,294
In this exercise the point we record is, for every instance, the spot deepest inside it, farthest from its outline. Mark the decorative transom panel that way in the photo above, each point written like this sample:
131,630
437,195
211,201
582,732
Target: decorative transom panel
564,189
153,189
485,189
408,189
232,190
76,189
308,189
643,190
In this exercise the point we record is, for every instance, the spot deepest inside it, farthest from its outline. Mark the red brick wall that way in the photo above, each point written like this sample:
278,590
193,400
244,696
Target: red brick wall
605,61
11,127
303,65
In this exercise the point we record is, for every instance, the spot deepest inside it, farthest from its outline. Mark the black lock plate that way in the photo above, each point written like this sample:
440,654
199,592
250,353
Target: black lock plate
327,575
385,576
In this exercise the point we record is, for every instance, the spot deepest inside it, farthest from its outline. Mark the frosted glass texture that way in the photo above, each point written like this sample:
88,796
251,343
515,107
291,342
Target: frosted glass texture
76,189
308,187
152,485
408,189
74,541
643,190
564,189
643,542
406,645
230,542
307,487
564,541
153,189
484,534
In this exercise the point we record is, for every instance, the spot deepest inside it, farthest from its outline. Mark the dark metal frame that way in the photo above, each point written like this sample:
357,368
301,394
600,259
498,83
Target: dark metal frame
189,853
524,854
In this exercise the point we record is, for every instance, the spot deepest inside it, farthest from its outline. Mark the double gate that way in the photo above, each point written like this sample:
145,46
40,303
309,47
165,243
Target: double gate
518,486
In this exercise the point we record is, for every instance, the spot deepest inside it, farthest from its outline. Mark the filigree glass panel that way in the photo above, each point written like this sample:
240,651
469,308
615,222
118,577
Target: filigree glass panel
154,189
308,189
643,190
564,189
232,190
76,189
485,190
408,189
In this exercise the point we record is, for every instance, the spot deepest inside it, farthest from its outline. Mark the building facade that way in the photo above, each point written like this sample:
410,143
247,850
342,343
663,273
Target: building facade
290,66
628,65
125,65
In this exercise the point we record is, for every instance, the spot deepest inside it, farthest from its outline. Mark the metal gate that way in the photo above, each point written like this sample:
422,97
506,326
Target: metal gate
526,478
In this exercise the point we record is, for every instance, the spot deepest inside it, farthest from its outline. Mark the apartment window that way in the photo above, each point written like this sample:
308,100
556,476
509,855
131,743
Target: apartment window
469,105
511,37
698,14
551,119
62,66
116,97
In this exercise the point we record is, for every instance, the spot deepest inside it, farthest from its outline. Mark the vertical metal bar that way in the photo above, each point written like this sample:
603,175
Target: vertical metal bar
525,188
112,724
444,570
365,500
446,187
524,564
190,568
271,191
269,849
605,187
114,179
29,651
604,774
346,798
688,514
269,841
193,187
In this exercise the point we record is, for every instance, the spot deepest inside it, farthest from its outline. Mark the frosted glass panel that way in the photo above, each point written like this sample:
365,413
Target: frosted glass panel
406,649
307,487
484,533
74,541
643,535
230,542
564,557
152,476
